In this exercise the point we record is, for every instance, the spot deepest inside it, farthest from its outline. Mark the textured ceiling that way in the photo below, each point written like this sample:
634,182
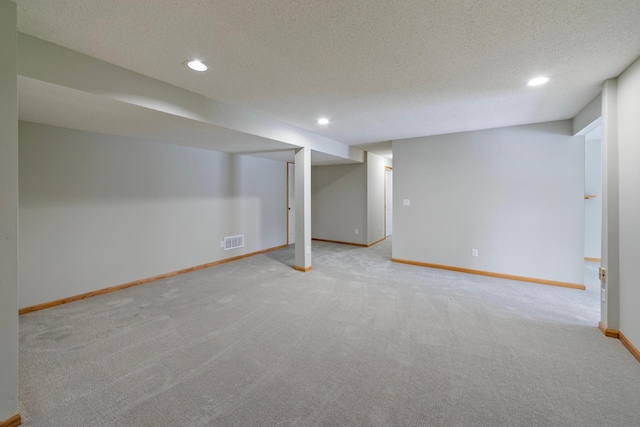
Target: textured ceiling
381,70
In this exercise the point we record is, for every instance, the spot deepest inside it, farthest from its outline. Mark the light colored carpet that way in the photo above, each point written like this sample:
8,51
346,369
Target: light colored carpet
359,341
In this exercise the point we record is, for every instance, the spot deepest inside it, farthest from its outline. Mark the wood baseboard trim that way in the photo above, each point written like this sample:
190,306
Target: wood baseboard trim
491,274
611,333
339,242
14,421
61,301
592,259
634,351
376,242
362,245
303,269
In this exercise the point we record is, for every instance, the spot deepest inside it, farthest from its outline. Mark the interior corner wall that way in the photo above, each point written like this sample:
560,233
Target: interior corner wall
8,212
516,194
628,96
339,203
99,210
375,197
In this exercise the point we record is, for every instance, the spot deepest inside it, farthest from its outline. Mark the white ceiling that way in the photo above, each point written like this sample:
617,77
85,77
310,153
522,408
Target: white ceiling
380,70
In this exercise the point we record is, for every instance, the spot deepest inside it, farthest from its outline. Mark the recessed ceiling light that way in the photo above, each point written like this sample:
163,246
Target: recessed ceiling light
538,81
323,121
197,65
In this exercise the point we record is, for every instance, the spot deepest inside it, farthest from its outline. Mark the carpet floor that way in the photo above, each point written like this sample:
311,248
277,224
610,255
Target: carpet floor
358,341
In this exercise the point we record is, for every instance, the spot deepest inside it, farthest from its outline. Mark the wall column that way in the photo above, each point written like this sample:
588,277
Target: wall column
8,215
303,209
610,290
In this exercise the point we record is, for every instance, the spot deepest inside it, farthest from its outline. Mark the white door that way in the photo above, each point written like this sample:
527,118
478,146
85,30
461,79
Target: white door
388,201
291,206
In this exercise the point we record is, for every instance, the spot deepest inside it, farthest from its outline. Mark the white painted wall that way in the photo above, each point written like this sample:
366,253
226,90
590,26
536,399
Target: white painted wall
593,186
375,197
98,210
339,203
629,183
516,194
8,213
303,209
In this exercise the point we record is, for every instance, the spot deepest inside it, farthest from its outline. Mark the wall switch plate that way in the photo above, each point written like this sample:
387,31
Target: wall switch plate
308,250
356,231
474,252
603,294
222,243
406,202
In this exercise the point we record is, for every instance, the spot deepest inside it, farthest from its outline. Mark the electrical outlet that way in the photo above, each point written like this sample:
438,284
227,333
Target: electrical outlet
474,252
406,202
602,273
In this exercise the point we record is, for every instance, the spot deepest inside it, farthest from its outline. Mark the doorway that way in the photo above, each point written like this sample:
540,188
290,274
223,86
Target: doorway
388,201
291,197
593,215
593,195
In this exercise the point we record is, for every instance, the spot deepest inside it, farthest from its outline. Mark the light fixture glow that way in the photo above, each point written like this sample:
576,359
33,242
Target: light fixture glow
197,65
538,81
323,121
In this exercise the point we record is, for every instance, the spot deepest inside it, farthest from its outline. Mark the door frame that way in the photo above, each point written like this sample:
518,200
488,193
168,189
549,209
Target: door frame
288,208
385,198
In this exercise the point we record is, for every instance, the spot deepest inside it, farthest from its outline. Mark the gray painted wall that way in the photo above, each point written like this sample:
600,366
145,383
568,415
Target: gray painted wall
339,203
629,183
349,197
516,194
8,213
593,186
610,253
98,210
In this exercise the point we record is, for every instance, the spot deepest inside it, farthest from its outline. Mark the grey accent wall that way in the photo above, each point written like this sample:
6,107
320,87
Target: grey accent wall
98,210
629,201
349,197
8,212
610,253
375,197
339,203
516,194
